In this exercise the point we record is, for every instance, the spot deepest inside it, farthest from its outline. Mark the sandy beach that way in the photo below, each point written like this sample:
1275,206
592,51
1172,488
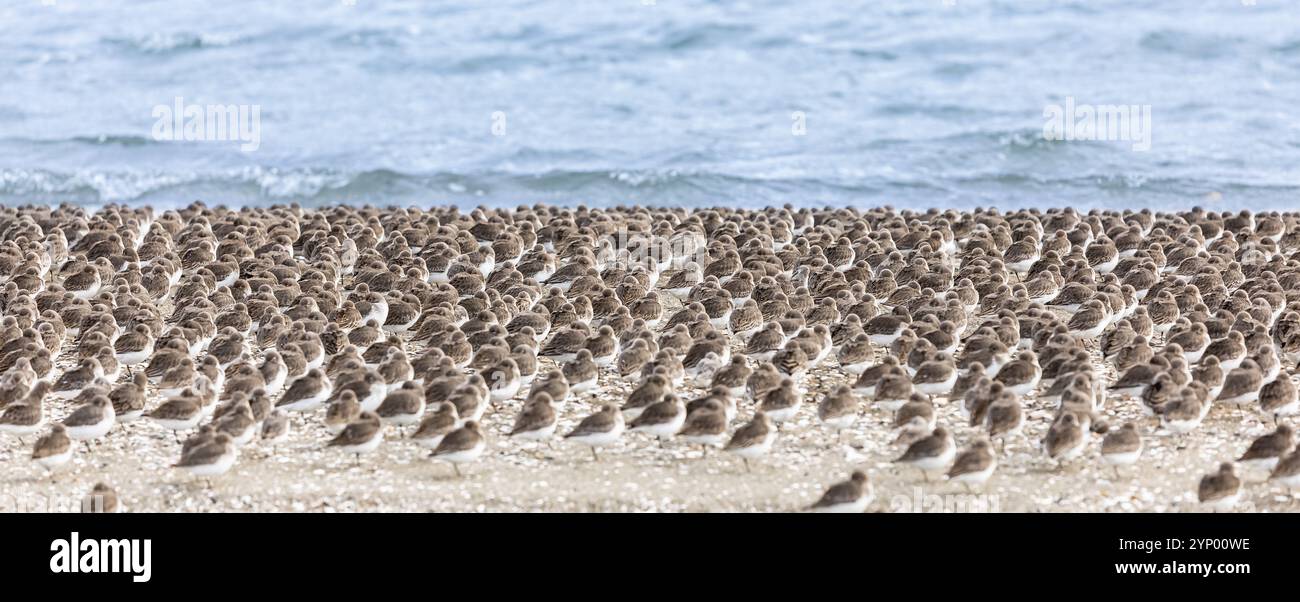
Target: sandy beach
636,475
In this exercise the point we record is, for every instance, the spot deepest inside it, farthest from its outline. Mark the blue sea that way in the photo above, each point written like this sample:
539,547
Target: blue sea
913,103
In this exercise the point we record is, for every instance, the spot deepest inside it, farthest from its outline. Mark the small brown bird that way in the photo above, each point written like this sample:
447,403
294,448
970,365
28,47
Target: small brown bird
536,421
441,420
462,445
1065,439
930,453
1265,451
974,465
851,496
600,429
1220,490
102,499
754,439
360,436
1122,446
54,449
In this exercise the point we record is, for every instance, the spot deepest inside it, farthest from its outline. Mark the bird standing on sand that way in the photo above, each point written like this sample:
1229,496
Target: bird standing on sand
54,449
930,453
851,496
461,446
1122,446
663,419
438,422
600,429
536,421
974,465
360,436
754,439
1220,490
212,458
102,499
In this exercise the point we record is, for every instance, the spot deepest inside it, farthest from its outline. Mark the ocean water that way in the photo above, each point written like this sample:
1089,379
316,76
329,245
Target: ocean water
914,103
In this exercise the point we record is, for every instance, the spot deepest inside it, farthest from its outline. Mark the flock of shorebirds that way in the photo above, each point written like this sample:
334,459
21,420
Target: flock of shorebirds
217,324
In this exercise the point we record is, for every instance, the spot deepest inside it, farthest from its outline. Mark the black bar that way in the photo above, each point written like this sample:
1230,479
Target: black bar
314,550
